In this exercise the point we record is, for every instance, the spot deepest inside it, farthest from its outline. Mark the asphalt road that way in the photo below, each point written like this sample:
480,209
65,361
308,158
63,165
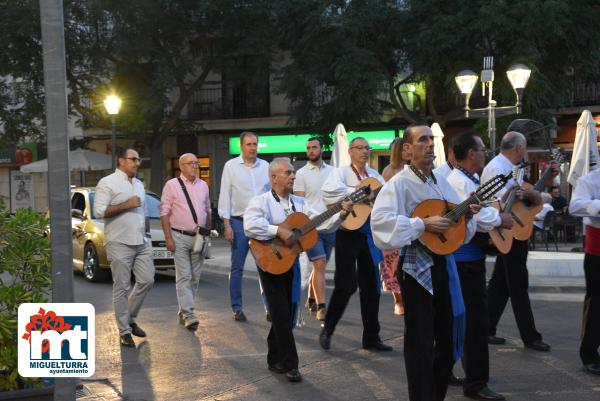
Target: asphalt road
226,360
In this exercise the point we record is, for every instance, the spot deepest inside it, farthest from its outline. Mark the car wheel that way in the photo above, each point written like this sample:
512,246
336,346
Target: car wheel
91,265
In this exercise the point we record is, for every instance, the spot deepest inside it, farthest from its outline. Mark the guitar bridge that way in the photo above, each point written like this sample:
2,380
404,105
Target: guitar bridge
275,250
442,237
517,219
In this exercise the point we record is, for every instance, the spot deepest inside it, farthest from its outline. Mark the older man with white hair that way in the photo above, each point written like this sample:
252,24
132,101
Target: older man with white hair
184,207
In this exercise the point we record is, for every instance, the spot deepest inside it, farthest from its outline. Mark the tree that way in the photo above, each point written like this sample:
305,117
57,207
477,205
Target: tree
363,51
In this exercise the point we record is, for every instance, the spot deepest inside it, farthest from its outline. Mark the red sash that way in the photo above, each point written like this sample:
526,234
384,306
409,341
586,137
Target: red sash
592,240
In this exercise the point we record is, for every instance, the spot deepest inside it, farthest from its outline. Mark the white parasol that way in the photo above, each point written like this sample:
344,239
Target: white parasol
438,145
339,153
585,150
79,160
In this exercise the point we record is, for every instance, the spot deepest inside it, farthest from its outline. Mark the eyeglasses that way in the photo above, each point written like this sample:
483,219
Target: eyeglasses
134,159
361,148
195,164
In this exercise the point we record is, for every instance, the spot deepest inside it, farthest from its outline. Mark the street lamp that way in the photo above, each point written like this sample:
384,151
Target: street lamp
518,75
112,104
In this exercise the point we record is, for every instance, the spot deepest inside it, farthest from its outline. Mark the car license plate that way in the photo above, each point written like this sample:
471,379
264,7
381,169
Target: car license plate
162,254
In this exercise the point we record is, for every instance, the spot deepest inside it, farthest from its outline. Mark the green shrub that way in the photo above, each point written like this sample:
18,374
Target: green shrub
24,277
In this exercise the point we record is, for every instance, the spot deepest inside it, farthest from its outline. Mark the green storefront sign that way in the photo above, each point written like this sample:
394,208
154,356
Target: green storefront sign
296,143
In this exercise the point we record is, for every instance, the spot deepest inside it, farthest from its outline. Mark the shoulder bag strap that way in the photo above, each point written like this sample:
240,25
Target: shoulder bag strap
189,201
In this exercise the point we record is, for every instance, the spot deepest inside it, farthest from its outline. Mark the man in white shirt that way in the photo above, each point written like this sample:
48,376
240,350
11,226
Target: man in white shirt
120,201
357,259
243,177
585,201
445,169
469,152
429,344
261,221
510,278
308,183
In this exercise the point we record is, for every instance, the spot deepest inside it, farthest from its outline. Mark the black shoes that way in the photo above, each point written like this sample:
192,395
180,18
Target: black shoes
127,341
485,394
324,339
377,346
277,368
539,345
293,375
496,340
593,368
455,381
268,316
239,316
137,330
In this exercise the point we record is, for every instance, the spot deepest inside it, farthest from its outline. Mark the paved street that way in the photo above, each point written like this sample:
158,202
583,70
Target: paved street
225,360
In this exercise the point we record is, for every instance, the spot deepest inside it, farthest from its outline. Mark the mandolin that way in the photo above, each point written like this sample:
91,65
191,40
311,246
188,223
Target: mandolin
502,238
275,257
362,210
454,236
524,214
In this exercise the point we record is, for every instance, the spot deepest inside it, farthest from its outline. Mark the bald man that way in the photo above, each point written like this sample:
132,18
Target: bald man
184,207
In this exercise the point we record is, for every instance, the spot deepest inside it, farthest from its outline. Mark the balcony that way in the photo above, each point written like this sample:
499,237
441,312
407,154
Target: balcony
583,94
215,102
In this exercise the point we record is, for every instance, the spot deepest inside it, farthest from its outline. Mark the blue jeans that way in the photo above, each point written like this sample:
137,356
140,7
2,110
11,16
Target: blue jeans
239,251
323,247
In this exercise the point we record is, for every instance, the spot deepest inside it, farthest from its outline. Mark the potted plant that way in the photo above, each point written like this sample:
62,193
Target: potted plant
24,277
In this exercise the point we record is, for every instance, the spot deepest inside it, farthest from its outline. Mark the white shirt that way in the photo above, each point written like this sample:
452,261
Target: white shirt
498,165
585,200
391,224
488,218
539,218
264,213
128,227
310,179
442,171
239,183
342,181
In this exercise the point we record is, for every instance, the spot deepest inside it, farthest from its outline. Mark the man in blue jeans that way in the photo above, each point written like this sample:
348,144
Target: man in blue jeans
308,183
243,178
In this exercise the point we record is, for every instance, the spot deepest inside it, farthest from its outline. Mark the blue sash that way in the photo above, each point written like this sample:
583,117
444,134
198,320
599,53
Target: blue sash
459,320
376,254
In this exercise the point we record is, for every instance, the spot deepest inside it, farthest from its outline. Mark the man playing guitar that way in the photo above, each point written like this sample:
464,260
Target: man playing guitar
512,282
356,257
430,345
261,220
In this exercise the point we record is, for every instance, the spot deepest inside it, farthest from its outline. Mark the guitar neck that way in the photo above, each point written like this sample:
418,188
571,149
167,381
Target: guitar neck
462,208
539,186
318,220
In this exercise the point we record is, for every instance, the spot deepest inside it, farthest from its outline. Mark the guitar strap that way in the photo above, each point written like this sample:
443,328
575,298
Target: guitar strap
276,197
357,174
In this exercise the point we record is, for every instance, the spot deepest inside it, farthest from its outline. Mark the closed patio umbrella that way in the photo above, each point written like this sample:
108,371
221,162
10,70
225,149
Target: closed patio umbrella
438,145
585,149
339,153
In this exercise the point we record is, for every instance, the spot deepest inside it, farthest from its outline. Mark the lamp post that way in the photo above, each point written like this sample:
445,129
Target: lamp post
112,104
518,75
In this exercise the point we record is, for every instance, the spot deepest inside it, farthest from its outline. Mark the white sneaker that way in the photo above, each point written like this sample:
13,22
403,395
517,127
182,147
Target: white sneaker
398,309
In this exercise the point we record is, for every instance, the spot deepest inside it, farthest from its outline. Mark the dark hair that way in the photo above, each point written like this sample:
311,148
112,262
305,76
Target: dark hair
316,138
552,188
245,134
356,139
407,137
462,143
122,153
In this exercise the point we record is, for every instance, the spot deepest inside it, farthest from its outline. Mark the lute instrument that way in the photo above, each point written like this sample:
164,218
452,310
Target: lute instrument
523,213
502,238
454,236
361,211
276,257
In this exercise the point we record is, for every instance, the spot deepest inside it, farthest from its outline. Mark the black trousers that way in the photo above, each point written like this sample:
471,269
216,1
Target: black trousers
280,342
427,334
476,361
511,280
590,340
354,266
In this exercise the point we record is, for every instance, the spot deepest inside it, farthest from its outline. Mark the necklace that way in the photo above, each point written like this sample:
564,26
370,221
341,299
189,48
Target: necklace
357,174
469,175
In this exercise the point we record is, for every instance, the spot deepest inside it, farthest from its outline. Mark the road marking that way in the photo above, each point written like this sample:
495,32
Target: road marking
373,382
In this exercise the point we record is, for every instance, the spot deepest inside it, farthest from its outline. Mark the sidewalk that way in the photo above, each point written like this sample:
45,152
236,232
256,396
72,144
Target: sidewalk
548,271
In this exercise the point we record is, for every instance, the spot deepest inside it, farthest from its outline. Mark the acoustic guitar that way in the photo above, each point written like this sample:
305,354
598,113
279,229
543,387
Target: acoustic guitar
502,238
361,211
523,213
454,236
275,257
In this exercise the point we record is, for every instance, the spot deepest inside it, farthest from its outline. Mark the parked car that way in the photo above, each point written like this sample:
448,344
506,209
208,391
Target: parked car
89,254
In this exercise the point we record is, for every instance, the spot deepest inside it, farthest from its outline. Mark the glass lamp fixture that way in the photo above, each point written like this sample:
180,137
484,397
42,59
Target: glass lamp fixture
112,104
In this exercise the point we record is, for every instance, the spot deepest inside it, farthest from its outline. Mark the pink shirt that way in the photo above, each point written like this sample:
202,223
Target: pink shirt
174,204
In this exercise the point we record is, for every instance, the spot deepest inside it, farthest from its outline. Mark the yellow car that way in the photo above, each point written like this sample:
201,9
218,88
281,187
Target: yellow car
89,255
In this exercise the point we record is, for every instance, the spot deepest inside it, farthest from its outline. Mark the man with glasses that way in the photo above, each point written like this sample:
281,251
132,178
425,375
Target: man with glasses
120,201
243,178
180,224
356,257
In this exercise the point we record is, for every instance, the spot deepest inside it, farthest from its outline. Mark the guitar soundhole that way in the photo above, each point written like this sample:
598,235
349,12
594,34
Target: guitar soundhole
442,237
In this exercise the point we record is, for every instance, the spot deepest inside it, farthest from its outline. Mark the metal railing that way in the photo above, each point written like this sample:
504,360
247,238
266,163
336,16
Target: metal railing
216,102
